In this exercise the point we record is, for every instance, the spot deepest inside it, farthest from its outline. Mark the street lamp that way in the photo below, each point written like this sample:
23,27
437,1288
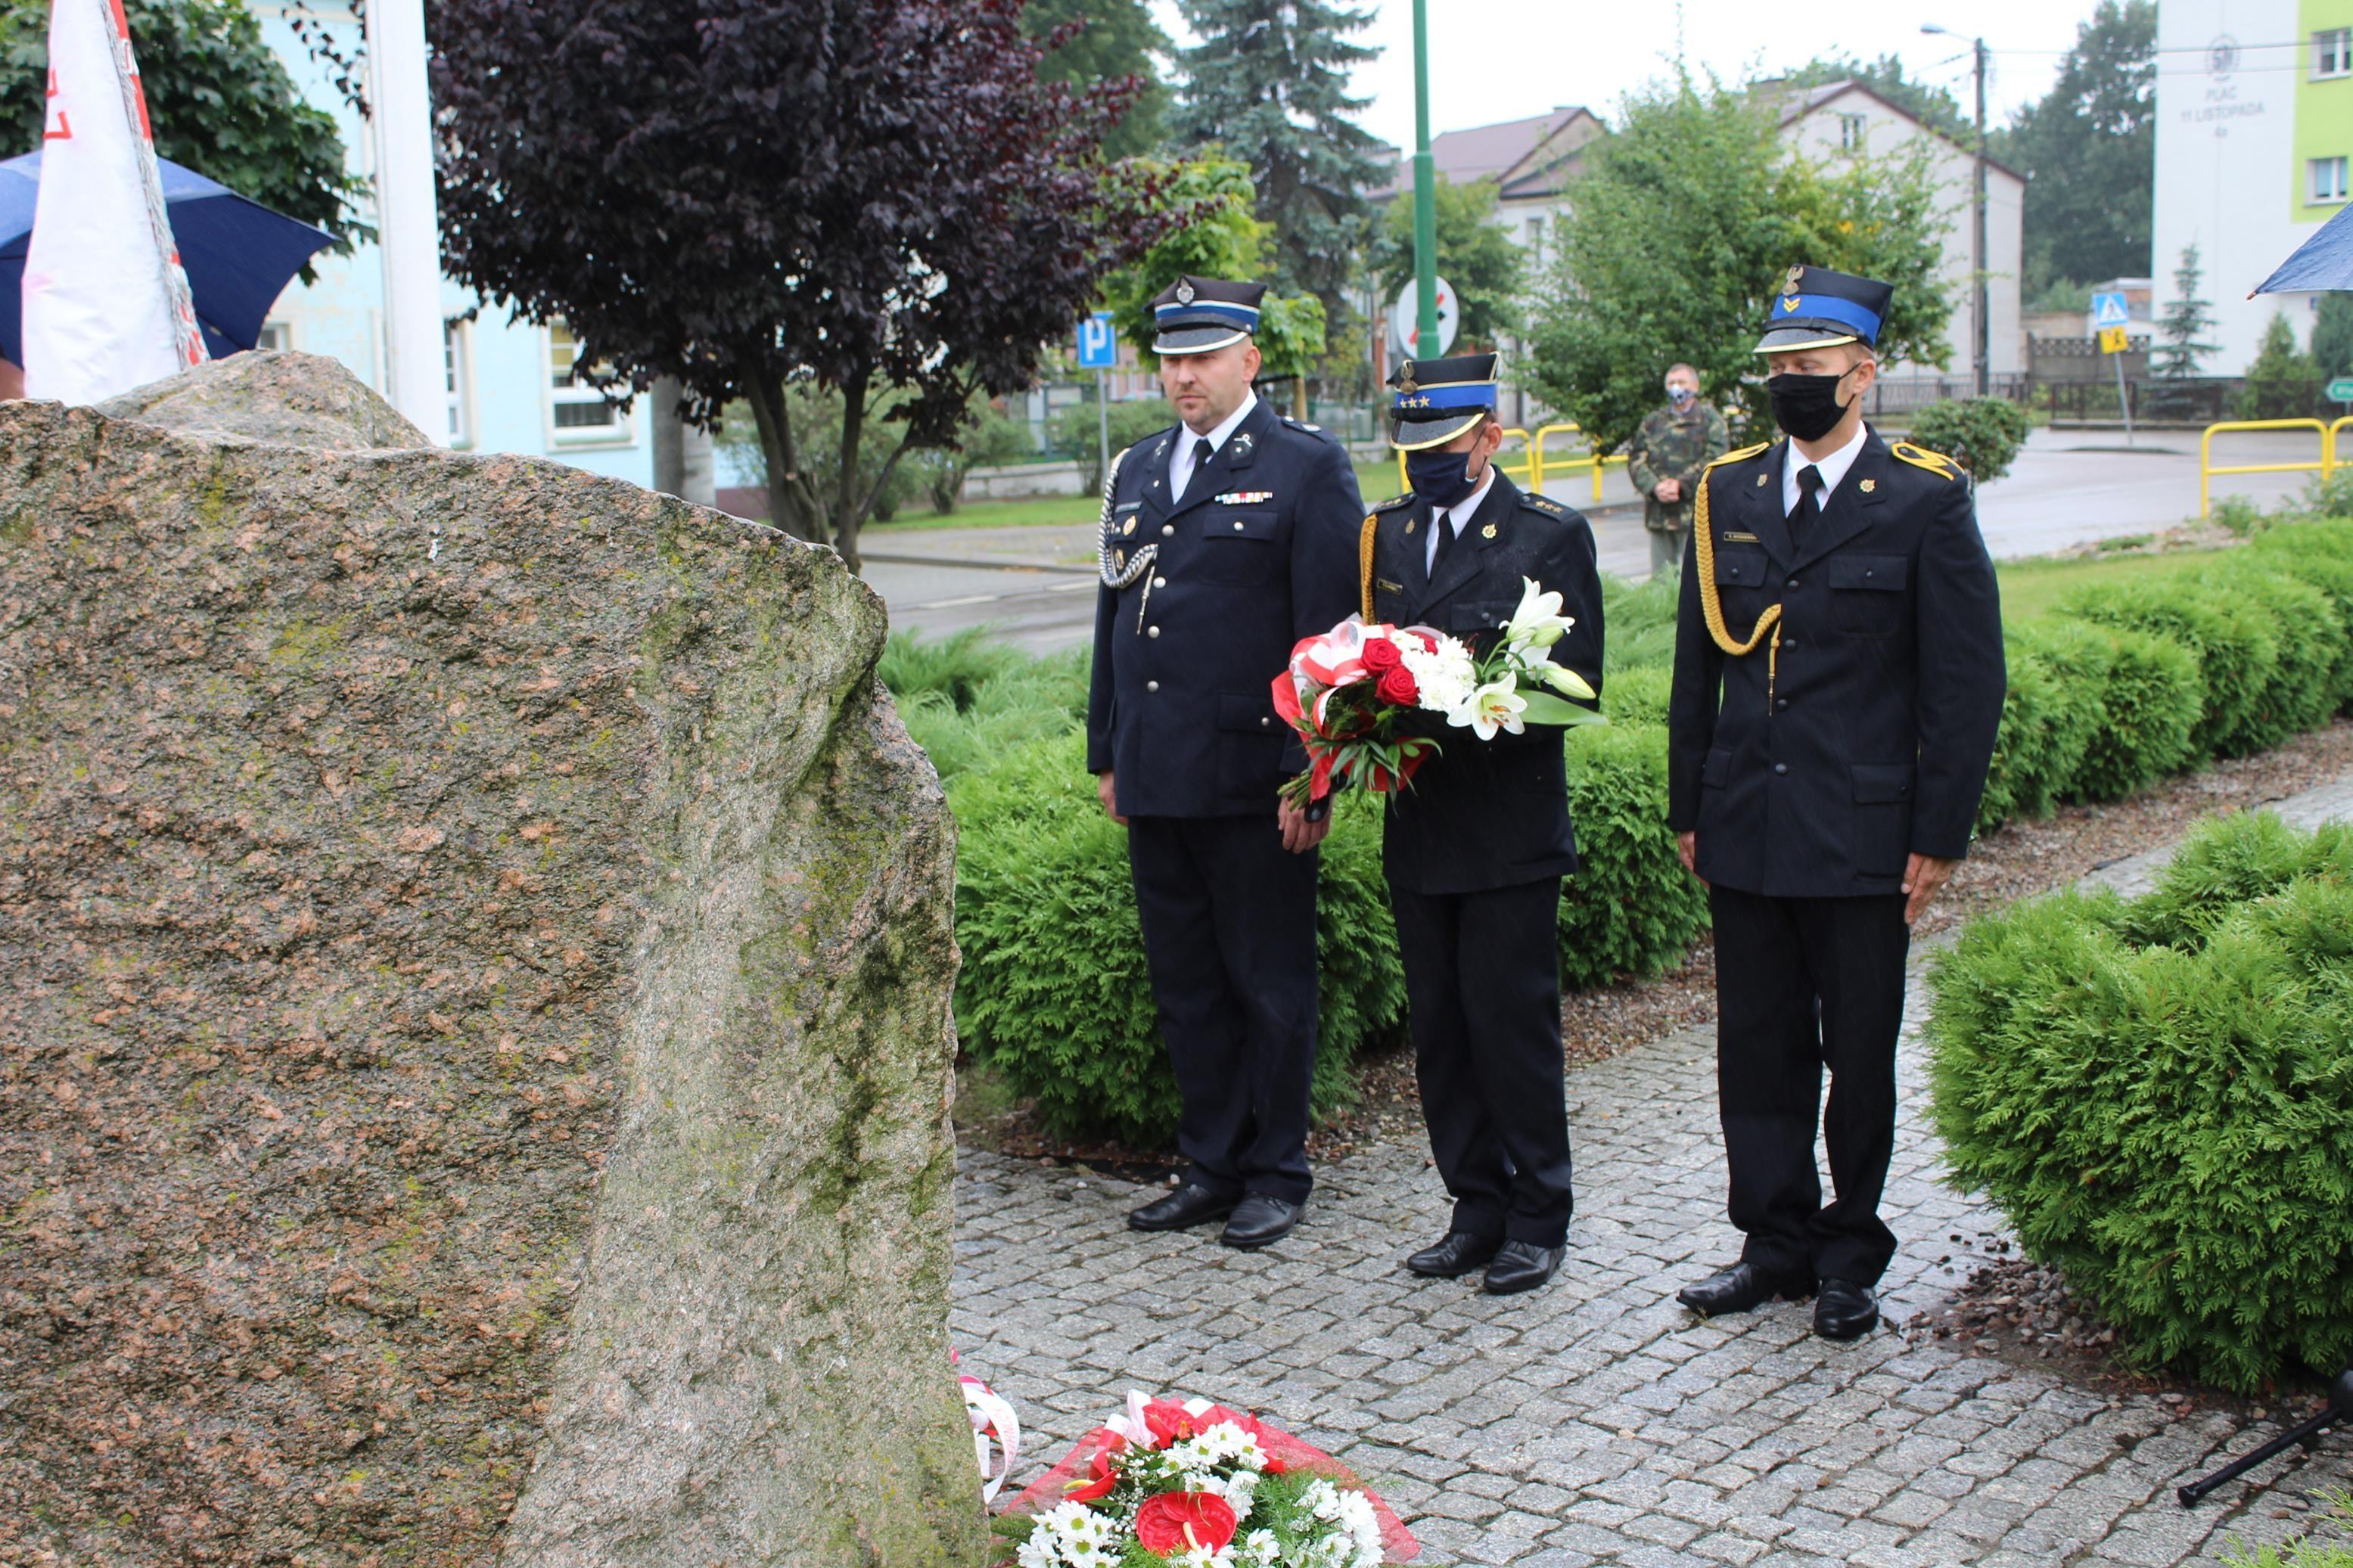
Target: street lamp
1981,327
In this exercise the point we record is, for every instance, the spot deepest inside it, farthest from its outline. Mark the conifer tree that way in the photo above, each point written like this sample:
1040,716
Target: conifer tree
2187,319
1269,81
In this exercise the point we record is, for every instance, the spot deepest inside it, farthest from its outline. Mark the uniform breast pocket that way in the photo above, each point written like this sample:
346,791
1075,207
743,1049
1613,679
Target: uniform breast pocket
1740,577
1869,594
1237,547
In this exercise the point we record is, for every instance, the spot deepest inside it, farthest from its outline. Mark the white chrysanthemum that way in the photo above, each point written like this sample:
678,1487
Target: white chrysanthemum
1261,1549
1321,1499
1205,1557
1041,1551
1364,1527
1445,676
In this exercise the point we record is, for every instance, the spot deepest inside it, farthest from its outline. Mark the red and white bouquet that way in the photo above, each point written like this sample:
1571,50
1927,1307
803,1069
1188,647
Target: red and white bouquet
1195,1485
1347,691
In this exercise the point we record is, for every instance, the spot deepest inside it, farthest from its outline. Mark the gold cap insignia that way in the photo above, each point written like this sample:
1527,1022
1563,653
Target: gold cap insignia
1488,532
1405,378
1760,481
1868,486
1184,290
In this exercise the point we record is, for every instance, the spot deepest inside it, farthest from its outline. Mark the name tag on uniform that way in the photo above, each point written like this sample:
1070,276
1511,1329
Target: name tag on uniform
1128,506
1739,539
1244,498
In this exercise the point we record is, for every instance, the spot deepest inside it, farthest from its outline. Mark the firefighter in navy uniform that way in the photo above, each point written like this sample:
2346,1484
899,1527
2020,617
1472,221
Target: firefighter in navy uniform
1474,852
1225,540
1838,683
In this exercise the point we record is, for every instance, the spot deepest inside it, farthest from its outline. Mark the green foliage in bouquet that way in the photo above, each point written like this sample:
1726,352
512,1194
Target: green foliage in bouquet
1629,908
2236,652
2159,1096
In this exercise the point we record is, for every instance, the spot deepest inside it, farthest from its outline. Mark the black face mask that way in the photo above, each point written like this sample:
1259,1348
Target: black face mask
1438,476
1806,406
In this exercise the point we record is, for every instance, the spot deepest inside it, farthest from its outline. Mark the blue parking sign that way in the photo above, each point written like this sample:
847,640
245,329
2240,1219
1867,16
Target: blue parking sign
1098,345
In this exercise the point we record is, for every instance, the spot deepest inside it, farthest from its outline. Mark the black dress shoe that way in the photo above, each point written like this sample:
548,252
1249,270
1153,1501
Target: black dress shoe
1261,1219
1742,1288
1458,1254
1522,1266
1844,1311
1186,1207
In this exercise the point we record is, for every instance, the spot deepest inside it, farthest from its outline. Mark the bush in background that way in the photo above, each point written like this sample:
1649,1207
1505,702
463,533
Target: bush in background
2281,382
2236,654
1981,434
968,699
1073,434
1629,908
2159,1096
2053,710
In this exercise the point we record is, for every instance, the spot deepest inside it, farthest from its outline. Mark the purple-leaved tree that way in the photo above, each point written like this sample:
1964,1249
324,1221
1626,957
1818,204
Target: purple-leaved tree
876,196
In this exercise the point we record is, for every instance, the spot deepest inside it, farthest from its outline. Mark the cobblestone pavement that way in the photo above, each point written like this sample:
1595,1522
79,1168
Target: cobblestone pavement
1596,1421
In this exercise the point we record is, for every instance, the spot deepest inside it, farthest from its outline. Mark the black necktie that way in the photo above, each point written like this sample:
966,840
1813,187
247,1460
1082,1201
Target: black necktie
1201,452
1446,535
1809,506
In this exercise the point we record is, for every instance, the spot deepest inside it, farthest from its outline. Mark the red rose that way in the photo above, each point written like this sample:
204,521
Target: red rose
1174,1520
1399,688
1380,654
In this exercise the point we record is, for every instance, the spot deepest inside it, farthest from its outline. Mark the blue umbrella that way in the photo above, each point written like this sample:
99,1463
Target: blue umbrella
2323,261
239,254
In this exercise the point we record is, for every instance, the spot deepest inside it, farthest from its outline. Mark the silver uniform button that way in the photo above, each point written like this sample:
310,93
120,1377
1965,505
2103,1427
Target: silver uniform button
1168,529
1152,686
1152,631
1160,582
1238,528
1263,724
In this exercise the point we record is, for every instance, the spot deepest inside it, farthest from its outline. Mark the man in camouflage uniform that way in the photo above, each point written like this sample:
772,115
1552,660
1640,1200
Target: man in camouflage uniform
1675,444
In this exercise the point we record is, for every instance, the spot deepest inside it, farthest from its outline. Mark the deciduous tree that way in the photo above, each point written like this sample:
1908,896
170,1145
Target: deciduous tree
2089,150
1483,265
1679,236
1114,40
879,196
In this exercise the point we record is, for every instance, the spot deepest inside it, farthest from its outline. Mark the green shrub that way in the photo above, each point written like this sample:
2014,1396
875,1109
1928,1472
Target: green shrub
1981,434
1054,994
966,698
1639,624
2331,496
2311,639
2143,698
1629,908
2050,714
1637,696
2171,1121
2321,554
2235,650
1075,435
2282,381
2306,1551
2236,516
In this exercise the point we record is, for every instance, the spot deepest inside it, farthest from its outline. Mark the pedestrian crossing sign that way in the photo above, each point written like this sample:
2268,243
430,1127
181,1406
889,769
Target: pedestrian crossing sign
2113,339
2108,311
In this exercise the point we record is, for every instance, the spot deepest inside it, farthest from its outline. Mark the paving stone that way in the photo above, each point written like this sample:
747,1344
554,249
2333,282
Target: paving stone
1596,1421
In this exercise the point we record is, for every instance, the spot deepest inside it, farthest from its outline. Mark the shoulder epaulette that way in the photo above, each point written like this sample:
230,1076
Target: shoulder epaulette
1302,424
1544,504
1393,502
1739,452
1937,463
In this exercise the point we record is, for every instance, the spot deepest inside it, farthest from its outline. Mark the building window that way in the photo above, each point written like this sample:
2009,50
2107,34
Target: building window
2332,52
578,411
457,380
1854,129
275,337
1536,235
2328,179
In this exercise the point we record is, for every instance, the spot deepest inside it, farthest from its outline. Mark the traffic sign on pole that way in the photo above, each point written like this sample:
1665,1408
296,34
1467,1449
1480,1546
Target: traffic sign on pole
2341,389
2108,311
2114,340
1098,344
1404,321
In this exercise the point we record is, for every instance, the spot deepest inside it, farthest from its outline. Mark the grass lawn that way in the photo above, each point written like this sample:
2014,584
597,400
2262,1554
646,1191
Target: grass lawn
2033,588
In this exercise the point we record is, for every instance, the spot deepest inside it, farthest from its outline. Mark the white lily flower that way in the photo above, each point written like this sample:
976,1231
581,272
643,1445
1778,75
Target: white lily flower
1538,622
1494,706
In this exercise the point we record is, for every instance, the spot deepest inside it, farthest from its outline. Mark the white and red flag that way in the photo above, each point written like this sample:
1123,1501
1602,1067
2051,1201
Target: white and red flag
107,304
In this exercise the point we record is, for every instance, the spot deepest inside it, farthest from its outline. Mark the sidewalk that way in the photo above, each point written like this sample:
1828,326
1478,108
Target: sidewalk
1596,1421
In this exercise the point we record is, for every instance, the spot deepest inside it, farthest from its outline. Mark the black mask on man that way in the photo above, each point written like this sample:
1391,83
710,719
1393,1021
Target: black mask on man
1439,477
1806,406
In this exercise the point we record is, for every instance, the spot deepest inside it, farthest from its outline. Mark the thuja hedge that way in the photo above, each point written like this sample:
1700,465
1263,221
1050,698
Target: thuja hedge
1053,993
2159,1094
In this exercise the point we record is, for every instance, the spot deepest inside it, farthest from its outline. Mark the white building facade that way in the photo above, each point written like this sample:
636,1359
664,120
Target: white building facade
2255,129
508,386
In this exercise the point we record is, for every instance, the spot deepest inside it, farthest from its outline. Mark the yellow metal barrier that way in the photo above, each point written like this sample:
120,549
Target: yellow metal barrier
2207,470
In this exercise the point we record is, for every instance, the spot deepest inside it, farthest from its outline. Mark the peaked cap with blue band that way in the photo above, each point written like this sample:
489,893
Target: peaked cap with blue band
1438,399
1818,307
1194,315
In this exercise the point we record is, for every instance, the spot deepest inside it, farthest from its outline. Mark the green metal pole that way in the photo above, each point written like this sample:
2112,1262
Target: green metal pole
1425,191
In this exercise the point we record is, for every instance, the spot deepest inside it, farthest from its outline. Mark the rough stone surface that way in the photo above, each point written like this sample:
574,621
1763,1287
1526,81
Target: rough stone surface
1596,1421
474,1061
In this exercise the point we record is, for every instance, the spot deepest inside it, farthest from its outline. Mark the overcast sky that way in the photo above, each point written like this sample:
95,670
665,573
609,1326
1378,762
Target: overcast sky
1505,59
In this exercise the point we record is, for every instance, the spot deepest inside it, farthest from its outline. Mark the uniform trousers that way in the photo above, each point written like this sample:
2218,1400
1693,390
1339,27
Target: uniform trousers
1229,938
1482,982
1667,553
1801,985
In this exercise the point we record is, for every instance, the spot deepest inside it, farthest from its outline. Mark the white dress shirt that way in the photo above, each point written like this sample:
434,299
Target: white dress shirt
1180,461
1456,517
1833,467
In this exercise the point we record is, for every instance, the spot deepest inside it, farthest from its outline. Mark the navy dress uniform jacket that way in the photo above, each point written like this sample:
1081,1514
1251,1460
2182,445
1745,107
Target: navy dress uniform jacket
1259,552
1815,769
1486,814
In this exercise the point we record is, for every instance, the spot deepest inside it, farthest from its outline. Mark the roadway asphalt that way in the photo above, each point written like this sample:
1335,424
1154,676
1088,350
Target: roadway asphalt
1033,584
